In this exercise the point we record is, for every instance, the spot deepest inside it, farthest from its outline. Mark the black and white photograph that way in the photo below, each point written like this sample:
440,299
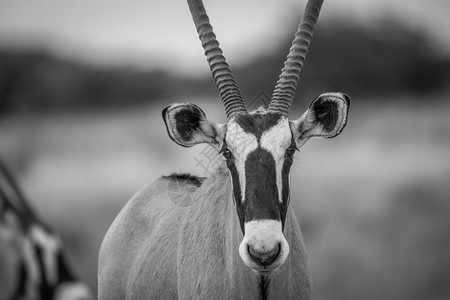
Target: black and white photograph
205,149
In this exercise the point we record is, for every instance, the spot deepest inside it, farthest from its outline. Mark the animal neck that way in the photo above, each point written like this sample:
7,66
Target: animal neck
211,235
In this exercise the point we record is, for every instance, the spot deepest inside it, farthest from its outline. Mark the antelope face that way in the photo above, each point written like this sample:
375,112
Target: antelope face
259,150
258,147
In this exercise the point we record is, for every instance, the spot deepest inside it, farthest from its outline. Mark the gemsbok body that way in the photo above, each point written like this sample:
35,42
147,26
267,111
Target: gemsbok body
239,239
33,265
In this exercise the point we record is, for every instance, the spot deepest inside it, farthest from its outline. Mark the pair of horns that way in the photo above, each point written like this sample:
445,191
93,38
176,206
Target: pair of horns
226,84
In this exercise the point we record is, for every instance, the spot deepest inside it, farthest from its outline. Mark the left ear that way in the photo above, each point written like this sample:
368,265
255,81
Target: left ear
325,117
188,125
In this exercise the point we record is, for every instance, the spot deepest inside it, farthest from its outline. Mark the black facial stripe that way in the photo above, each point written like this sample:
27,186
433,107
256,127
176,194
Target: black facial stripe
22,282
46,291
261,192
285,185
258,125
46,288
237,193
64,273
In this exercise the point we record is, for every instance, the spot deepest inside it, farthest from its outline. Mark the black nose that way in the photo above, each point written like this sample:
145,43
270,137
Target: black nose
264,258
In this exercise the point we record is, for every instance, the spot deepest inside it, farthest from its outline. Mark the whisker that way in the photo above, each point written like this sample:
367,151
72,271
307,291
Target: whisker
297,162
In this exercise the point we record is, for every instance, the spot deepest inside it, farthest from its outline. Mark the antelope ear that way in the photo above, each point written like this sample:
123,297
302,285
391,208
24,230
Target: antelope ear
187,126
325,117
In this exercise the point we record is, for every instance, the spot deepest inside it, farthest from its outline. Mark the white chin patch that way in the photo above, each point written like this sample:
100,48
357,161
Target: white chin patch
263,236
73,291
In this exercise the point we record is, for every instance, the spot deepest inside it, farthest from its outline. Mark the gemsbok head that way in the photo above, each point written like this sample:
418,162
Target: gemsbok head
239,239
33,264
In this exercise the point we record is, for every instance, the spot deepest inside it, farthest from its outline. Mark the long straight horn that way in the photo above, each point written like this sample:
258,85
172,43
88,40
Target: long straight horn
225,82
20,205
287,82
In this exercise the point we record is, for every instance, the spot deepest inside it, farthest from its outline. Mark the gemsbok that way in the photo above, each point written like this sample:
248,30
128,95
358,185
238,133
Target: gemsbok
33,265
239,239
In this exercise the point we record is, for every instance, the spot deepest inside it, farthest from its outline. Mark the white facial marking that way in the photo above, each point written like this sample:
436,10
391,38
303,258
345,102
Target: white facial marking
263,236
32,269
241,144
276,140
50,246
73,291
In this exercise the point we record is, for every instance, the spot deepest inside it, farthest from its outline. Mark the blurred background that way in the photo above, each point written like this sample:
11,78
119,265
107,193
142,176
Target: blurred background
83,83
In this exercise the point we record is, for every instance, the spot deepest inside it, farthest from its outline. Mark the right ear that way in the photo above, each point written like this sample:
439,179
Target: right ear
187,126
325,117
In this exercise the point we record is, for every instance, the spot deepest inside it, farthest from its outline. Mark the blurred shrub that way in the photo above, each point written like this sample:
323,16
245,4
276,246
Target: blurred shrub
417,241
361,61
36,80
401,253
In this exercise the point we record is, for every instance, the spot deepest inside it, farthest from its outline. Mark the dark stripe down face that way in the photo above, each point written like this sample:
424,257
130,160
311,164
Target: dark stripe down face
259,149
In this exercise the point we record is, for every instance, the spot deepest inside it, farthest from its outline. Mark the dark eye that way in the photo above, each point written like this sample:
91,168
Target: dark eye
290,151
227,154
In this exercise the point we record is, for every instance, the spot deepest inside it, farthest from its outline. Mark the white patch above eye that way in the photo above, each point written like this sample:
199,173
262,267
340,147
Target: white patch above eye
276,140
240,143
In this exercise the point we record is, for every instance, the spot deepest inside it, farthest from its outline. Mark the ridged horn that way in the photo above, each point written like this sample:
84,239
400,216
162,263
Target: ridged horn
287,82
226,84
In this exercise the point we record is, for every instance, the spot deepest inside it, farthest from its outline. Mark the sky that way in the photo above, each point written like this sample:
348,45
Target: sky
161,34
